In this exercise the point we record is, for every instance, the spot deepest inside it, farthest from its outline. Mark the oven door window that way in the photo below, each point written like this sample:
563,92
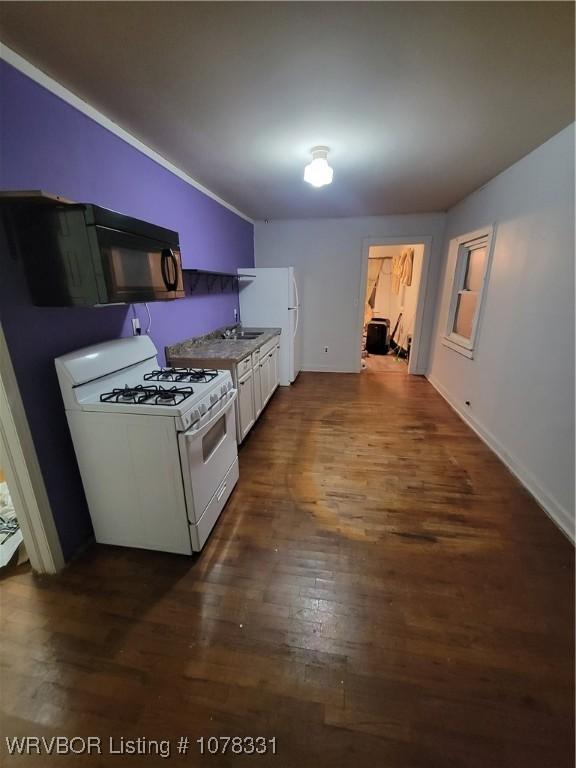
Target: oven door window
137,269
213,438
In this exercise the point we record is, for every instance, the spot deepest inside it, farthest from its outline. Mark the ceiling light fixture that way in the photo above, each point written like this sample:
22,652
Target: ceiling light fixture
318,172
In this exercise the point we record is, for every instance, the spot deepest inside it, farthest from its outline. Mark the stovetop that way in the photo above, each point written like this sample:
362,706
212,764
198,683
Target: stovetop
147,395
181,375
145,389
169,392
123,377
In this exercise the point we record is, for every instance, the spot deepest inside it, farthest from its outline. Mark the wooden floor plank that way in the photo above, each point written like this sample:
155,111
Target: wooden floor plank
379,591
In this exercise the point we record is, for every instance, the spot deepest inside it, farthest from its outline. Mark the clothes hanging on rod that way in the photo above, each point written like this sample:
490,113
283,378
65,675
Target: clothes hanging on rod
407,266
402,266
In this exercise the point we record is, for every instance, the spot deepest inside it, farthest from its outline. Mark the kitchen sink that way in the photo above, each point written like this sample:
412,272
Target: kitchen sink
243,335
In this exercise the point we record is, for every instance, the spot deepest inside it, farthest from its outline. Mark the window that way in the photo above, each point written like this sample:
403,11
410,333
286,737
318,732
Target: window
471,258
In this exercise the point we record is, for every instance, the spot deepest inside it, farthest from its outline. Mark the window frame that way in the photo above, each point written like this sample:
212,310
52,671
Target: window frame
462,246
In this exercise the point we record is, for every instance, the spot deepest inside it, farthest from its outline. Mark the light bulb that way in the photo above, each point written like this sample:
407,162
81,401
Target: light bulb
318,172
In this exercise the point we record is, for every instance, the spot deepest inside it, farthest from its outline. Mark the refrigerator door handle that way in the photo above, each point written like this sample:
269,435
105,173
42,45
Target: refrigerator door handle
295,284
297,310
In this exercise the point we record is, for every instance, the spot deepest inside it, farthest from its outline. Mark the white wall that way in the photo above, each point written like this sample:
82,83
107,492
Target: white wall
328,256
521,381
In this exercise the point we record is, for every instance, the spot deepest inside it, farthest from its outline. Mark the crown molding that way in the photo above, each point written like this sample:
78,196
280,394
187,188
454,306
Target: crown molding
28,69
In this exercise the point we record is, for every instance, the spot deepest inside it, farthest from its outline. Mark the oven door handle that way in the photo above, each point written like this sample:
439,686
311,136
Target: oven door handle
197,434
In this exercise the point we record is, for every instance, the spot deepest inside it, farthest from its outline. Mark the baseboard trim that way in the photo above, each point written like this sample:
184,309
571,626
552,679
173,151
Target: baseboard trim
555,511
326,369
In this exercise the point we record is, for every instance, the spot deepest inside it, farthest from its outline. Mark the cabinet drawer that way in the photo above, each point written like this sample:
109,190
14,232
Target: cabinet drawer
255,358
265,349
201,531
244,366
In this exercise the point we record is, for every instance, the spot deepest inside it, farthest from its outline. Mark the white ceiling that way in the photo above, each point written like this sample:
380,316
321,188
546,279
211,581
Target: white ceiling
420,102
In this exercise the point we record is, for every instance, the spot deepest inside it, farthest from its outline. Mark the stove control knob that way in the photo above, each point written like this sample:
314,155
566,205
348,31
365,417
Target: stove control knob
202,408
213,398
195,415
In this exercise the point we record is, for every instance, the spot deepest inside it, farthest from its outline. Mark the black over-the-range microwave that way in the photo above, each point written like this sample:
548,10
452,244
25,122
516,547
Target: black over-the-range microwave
84,255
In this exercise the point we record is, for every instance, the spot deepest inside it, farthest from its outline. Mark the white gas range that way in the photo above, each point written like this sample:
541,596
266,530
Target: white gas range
156,446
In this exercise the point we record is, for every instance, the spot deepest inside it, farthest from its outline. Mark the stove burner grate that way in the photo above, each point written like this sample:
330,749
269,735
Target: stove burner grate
151,395
187,375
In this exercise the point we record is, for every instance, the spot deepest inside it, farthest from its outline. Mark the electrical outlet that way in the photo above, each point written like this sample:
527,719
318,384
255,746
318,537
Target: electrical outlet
235,315
325,349
135,326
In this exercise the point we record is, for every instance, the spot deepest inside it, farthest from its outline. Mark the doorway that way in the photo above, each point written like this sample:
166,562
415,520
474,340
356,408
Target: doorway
11,542
395,275
27,514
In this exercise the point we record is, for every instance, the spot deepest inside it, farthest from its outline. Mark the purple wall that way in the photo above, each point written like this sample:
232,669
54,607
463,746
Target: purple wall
47,144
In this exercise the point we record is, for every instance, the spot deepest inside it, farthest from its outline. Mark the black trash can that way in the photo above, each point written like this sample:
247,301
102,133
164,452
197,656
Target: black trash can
378,336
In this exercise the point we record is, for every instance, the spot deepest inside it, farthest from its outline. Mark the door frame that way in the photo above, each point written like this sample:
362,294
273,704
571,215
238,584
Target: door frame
417,363
24,476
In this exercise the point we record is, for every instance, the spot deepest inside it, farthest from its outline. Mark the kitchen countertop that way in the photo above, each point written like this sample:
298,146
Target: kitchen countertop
212,351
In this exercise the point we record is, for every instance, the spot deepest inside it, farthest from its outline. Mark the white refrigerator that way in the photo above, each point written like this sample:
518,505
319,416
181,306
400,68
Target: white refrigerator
269,299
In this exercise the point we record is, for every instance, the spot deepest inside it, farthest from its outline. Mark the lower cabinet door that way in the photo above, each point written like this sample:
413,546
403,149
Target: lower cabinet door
265,379
257,391
271,374
246,404
275,369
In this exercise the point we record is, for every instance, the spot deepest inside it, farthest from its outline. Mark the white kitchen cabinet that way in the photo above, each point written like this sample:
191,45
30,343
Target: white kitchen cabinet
245,404
275,368
256,376
265,378
269,373
257,389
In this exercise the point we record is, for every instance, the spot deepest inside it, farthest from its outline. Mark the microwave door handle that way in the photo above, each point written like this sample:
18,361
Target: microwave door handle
172,257
170,283
164,268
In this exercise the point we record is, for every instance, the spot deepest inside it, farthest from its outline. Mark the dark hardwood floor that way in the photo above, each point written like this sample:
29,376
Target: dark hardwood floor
379,591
